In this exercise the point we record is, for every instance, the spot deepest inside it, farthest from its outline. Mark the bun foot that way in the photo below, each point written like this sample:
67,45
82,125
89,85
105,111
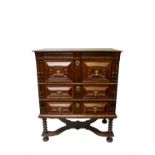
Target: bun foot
109,139
45,139
104,121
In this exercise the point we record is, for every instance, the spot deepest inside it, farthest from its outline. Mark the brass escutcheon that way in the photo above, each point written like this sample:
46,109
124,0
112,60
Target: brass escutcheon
77,62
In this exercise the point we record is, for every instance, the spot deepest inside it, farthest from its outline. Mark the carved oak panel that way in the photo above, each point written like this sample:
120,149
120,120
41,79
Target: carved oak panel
99,91
97,107
59,71
58,108
95,71
57,91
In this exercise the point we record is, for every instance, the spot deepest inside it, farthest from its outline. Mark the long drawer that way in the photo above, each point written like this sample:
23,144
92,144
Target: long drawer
77,91
71,108
77,69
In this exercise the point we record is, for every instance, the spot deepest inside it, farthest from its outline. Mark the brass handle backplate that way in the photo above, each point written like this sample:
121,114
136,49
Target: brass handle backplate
96,93
96,72
77,88
95,110
77,105
59,92
59,109
58,72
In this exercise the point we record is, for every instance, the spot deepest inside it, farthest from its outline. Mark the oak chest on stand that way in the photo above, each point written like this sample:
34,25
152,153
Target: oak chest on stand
77,83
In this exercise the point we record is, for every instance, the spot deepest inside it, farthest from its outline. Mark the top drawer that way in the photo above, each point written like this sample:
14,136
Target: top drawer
77,68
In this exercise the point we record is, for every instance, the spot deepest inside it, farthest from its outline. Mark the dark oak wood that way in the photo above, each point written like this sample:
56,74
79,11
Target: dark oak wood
78,83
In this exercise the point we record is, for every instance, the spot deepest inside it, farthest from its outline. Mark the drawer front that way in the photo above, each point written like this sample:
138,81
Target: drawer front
96,70
56,91
77,107
58,108
98,108
77,69
69,67
85,91
58,71
102,91
98,91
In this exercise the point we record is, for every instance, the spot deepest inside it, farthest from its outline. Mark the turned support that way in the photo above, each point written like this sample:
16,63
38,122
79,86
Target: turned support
45,138
110,125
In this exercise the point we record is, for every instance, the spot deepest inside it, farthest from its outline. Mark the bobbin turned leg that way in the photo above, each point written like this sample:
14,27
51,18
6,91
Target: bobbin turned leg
110,139
104,121
45,138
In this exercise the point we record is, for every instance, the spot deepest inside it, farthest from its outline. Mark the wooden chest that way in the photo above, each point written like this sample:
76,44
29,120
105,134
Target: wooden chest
77,83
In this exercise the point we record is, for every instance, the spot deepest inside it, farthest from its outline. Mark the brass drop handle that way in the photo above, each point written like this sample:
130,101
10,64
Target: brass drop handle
77,62
96,72
77,105
95,110
96,93
77,88
58,72
59,109
59,92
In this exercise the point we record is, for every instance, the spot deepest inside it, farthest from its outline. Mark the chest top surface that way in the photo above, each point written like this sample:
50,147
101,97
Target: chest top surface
77,50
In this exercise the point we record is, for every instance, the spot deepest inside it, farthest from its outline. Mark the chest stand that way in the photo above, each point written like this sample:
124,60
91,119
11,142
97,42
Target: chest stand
79,125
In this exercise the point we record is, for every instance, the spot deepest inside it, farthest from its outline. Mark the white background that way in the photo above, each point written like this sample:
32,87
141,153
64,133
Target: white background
26,25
